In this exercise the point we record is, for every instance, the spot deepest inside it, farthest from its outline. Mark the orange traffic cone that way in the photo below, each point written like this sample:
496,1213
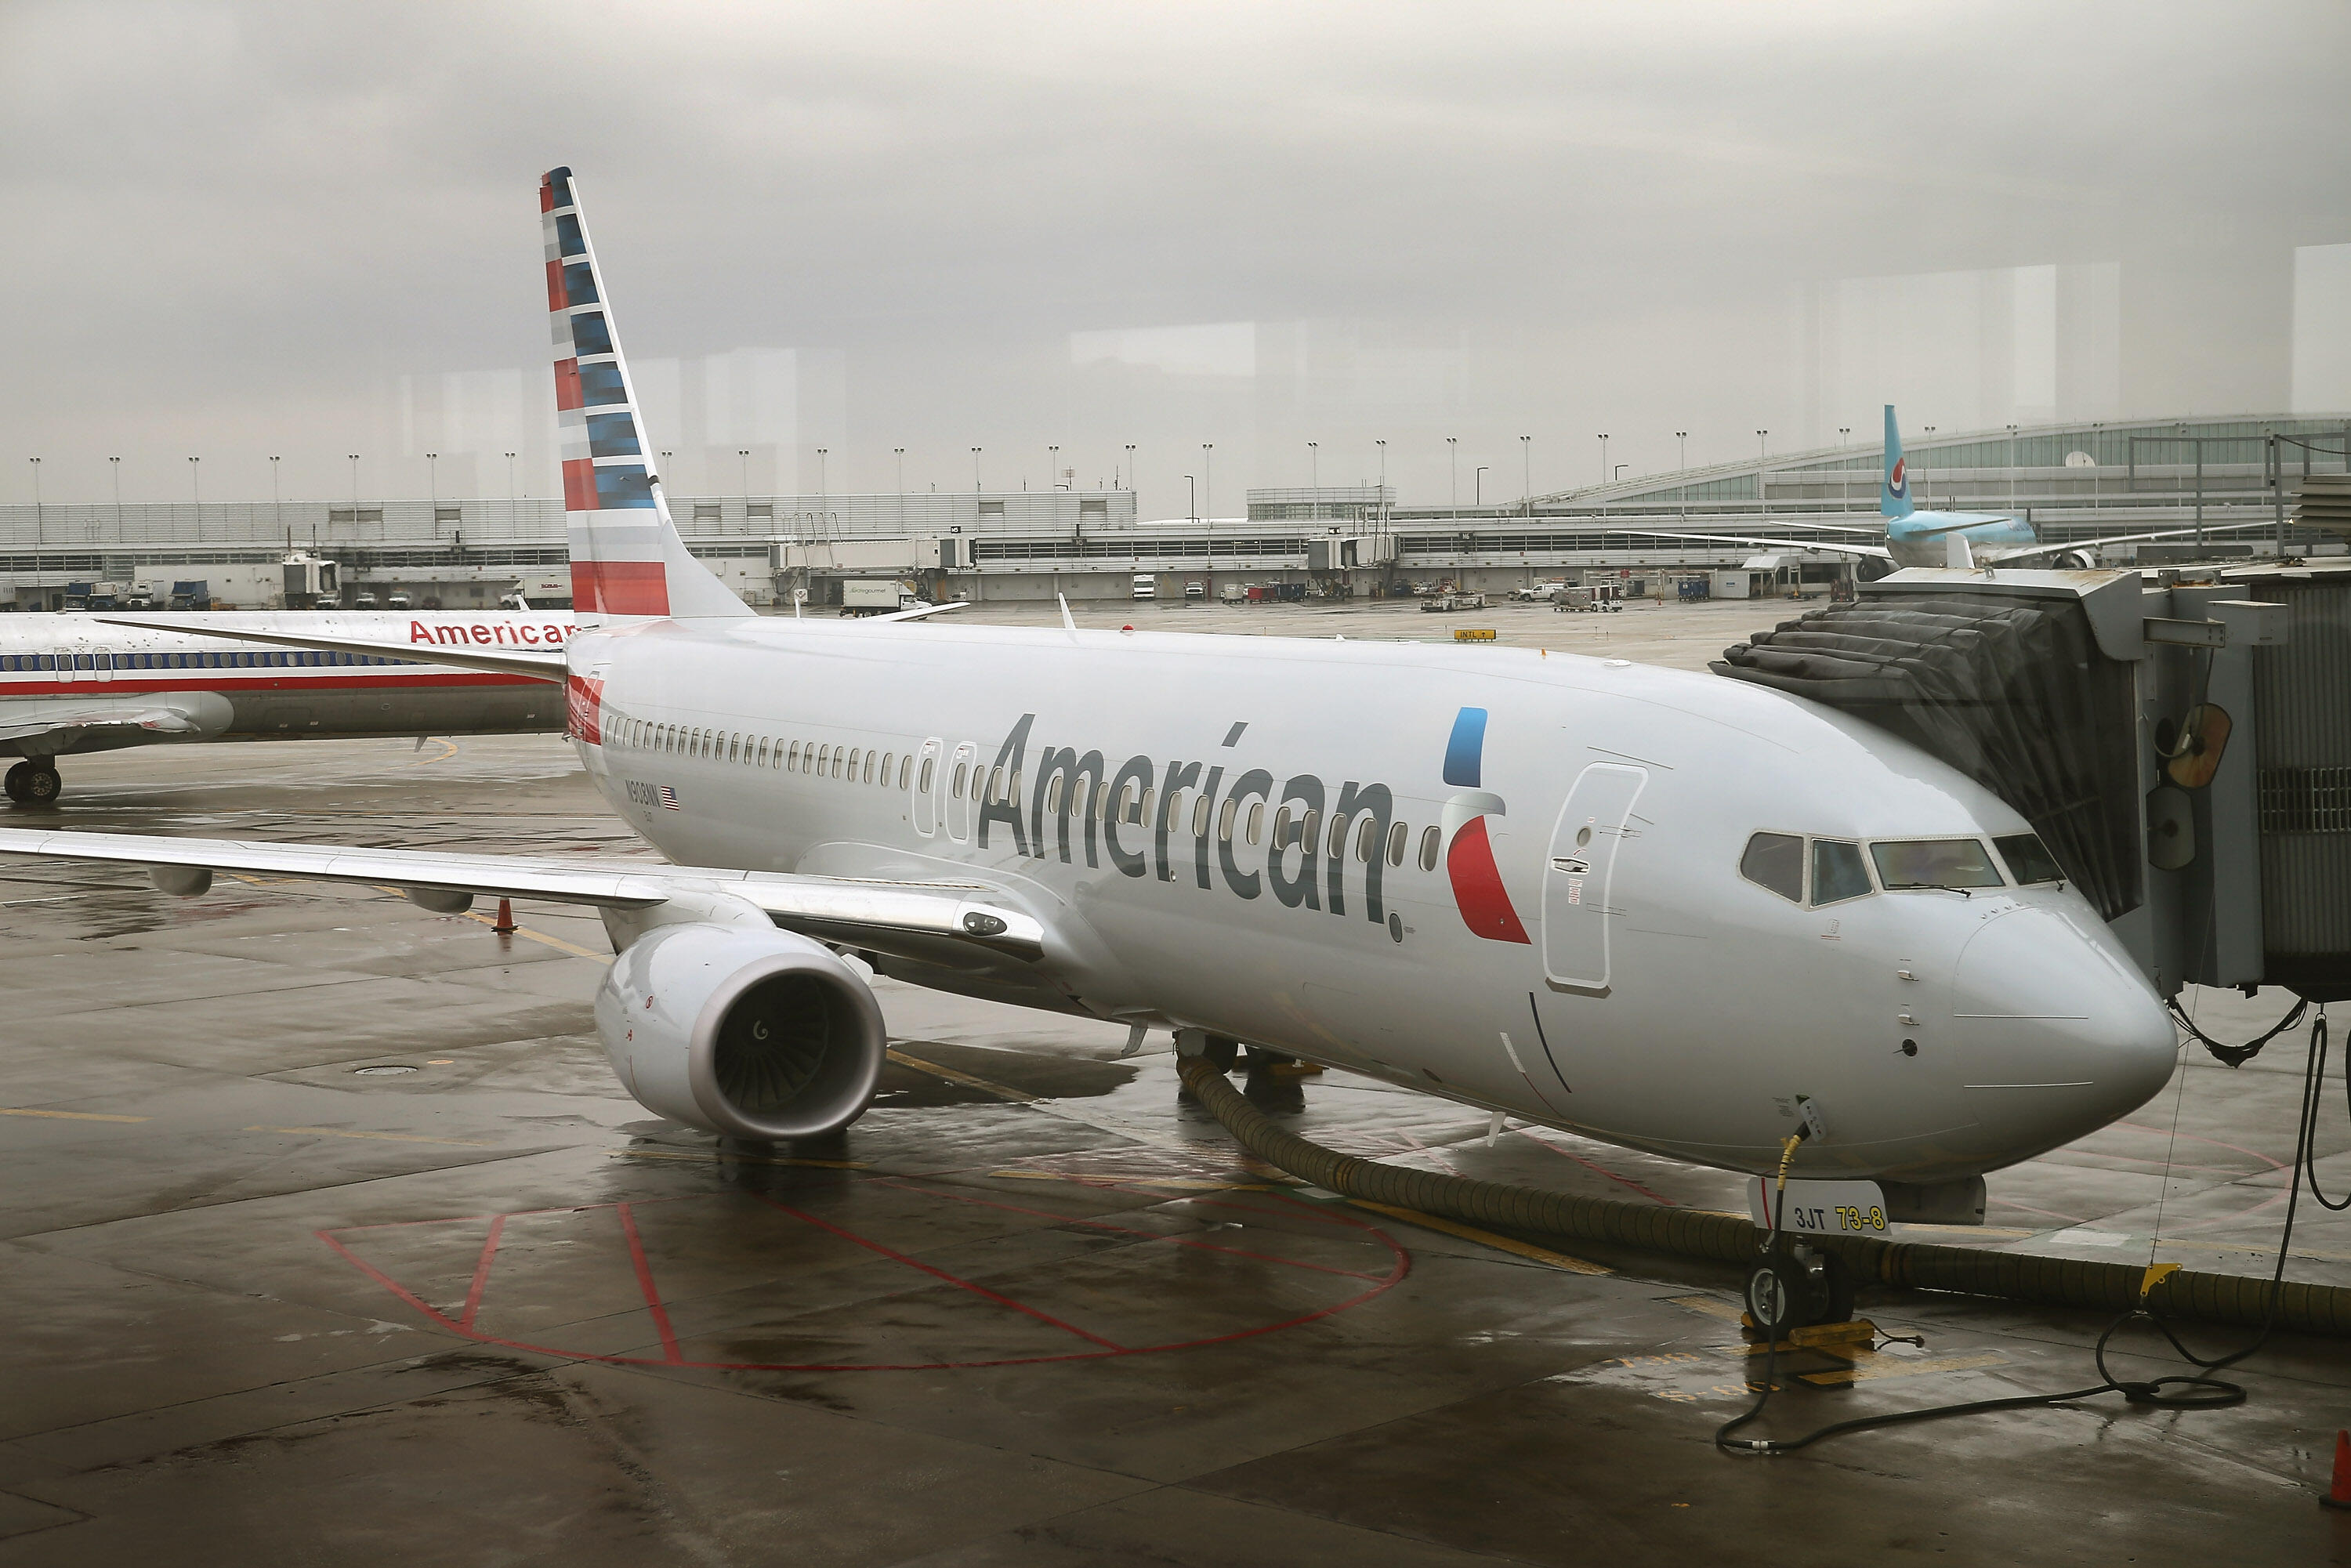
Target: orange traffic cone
2339,1494
504,927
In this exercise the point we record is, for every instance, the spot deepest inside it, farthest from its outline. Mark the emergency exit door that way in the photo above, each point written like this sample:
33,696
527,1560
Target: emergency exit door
1578,908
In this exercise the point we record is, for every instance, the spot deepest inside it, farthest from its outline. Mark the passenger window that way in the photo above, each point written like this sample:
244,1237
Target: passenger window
1838,872
1281,829
1200,818
927,765
1256,821
1398,836
867,777
1053,796
1224,821
905,768
956,787
1143,809
1367,838
1775,861
888,758
1428,841
2029,860
1175,810
837,754
853,755
1955,863
1306,839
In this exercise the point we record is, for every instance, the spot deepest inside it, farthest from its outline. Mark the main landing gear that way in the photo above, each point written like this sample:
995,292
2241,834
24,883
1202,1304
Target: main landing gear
33,782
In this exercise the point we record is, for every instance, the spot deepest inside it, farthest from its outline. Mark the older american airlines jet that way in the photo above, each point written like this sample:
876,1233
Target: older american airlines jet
75,683
1679,913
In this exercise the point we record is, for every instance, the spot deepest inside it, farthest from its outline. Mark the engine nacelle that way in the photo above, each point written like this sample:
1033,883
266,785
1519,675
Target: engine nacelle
2077,560
750,1032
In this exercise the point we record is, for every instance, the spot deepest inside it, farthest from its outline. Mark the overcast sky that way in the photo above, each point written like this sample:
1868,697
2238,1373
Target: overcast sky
232,229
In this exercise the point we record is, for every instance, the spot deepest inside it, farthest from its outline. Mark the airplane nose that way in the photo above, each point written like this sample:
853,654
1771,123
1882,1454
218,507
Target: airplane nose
2055,1032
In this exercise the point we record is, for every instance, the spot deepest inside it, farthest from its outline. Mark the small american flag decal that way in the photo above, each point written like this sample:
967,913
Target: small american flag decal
668,799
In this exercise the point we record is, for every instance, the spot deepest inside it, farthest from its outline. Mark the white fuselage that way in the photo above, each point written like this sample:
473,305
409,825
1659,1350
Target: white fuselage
72,667
1612,972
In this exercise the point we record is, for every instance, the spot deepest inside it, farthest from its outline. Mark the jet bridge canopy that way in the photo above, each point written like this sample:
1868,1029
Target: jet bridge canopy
2181,755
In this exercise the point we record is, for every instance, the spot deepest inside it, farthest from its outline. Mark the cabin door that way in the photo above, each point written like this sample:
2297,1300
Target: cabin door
1578,906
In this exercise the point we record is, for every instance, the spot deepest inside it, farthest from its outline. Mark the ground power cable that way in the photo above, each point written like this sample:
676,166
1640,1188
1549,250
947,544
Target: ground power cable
2202,1389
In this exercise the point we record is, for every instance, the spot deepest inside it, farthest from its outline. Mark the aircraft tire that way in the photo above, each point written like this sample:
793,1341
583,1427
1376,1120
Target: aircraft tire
40,786
1836,1289
13,782
1780,1294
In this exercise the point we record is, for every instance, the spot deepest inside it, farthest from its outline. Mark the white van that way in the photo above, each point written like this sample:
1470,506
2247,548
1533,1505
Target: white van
1146,586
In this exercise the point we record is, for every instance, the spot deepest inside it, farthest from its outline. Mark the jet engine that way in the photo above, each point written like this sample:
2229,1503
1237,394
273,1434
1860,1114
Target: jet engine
750,1032
2077,560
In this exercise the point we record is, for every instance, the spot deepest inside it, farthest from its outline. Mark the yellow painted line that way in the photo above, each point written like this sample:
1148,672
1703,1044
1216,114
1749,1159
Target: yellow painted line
67,1115
558,943
1877,1367
383,1137
1710,1307
716,1159
1018,1097
1485,1238
443,757
1182,1183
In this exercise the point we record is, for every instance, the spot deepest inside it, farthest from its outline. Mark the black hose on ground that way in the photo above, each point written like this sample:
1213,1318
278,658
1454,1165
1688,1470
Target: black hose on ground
2235,1299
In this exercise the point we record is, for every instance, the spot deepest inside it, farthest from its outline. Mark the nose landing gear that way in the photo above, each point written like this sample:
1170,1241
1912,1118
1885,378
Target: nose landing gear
32,783
1797,1289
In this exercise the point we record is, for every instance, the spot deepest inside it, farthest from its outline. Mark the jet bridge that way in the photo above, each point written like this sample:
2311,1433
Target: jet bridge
2183,748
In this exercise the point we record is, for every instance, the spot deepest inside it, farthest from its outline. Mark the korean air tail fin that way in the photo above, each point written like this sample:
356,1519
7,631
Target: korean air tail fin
1894,486
626,556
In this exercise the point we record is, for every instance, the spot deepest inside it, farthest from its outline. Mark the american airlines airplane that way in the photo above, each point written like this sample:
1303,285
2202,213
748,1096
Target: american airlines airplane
1914,538
1679,913
75,682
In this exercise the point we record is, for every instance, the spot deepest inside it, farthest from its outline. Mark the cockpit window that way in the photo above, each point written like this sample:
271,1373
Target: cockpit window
1775,861
1838,872
2029,860
1955,863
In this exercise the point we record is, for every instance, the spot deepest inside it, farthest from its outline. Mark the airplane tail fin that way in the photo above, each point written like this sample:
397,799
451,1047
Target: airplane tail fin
626,556
1894,486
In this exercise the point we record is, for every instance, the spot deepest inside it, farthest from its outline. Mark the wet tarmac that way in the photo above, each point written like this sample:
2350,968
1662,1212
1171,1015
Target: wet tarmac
329,1236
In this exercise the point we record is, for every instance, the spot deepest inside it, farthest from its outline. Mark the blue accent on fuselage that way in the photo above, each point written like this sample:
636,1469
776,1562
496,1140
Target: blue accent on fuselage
1919,539
1464,753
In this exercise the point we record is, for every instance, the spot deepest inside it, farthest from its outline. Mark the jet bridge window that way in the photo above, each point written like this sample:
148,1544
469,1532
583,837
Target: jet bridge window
1775,861
1957,863
2027,859
1838,872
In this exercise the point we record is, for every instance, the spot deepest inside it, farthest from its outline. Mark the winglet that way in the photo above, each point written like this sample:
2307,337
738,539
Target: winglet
1894,484
626,556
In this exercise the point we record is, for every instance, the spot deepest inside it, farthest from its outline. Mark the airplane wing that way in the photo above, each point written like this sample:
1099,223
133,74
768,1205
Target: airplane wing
1877,552
2028,551
541,664
163,713
923,920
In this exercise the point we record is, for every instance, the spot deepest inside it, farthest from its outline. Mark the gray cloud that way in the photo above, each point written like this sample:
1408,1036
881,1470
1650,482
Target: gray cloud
234,228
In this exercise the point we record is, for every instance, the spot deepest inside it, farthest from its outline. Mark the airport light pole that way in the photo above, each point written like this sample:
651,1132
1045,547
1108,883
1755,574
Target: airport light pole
37,529
1192,493
823,494
1383,476
114,467
1527,474
1314,465
197,487
975,471
1453,483
2011,467
513,505
1130,465
1208,482
1603,470
743,455
1845,485
1682,494
1053,454
1922,478
433,488
899,453
355,493
1478,486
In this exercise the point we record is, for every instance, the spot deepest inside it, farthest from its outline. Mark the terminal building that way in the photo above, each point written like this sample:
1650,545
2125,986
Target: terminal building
2238,479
